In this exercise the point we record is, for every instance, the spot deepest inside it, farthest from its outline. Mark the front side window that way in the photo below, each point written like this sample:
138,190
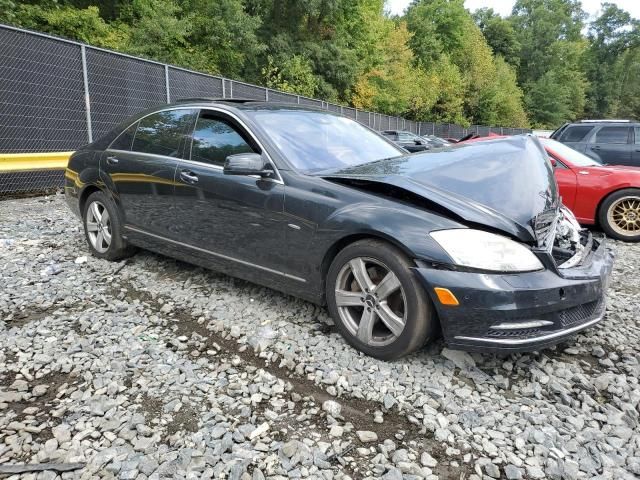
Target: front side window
162,133
576,134
612,135
314,141
214,139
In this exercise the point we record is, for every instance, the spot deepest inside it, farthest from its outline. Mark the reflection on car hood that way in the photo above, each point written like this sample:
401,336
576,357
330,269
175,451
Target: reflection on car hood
504,184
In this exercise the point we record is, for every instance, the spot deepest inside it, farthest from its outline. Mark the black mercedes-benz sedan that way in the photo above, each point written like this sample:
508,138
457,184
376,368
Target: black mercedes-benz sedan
471,241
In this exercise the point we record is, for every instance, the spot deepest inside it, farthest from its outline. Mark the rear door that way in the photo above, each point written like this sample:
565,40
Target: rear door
140,167
611,144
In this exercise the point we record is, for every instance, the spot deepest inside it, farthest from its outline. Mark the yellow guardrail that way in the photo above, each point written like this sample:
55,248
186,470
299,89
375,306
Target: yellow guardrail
24,162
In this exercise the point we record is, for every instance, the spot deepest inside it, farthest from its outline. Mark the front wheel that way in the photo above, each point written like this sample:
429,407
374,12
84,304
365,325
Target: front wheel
619,215
377,303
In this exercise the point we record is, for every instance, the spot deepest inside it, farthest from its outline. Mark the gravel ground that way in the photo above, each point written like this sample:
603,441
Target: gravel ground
152,368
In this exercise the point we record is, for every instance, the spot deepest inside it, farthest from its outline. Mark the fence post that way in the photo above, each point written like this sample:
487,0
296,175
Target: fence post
87,101
166,82
224,95
356,114
298,98
230,88
266,94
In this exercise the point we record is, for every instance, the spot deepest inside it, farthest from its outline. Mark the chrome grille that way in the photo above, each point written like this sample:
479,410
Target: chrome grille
544,227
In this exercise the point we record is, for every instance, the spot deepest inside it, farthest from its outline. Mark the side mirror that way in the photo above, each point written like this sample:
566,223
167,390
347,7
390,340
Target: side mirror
554,163
419,142
247,164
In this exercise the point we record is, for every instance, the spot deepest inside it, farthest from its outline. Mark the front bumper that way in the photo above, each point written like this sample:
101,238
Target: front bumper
520,312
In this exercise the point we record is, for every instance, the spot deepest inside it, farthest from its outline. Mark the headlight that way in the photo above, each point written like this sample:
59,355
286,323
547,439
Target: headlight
486,251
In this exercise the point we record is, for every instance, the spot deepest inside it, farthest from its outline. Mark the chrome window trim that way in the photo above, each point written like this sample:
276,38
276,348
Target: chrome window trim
219,255
140,119
278,178
217,167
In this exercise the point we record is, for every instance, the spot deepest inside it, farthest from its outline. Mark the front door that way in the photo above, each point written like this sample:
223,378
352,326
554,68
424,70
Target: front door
238,219
140,168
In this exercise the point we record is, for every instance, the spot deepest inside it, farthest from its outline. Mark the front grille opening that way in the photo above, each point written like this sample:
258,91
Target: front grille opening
574,315
522,333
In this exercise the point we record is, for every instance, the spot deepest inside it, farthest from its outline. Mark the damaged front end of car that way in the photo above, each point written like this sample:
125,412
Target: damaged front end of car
523,272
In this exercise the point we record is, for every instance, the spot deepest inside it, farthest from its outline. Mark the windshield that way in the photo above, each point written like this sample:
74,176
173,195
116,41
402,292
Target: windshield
572,156
315,141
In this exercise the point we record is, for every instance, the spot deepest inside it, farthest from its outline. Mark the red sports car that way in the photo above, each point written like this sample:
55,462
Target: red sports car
606,195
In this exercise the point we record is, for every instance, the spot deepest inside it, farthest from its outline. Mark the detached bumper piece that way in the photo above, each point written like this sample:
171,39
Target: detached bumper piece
521,312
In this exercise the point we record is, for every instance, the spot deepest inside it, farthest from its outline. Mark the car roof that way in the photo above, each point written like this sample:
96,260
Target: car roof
595,123
245,104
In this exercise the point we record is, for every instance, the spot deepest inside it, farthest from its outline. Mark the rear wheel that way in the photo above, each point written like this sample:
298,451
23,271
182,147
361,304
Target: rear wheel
376,301
103,229
619,215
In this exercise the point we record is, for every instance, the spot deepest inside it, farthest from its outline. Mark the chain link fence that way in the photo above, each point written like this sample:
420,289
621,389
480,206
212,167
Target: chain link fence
56,95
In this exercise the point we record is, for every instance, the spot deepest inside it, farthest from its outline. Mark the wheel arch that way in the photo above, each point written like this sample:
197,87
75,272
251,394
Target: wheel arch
604,199
84,195
349,239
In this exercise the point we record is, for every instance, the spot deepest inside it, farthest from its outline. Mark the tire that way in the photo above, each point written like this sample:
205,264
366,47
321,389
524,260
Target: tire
104,236
616,213
407,300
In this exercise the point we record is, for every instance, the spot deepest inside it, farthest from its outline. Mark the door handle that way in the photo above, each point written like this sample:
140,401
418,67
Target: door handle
112,160
595,148
188,176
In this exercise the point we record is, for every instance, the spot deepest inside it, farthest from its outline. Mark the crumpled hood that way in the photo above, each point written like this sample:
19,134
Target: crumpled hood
503,184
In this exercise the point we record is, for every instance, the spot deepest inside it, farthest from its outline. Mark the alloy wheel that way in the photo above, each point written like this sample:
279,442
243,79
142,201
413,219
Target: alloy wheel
98,226
624,216
371,301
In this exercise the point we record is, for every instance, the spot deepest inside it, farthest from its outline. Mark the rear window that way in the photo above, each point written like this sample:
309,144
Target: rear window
612,135
575,134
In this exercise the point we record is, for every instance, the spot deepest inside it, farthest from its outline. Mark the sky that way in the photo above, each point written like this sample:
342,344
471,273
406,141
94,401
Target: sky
503,7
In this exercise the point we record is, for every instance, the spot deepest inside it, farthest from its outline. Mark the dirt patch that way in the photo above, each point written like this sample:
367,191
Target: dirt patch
186,419
23,317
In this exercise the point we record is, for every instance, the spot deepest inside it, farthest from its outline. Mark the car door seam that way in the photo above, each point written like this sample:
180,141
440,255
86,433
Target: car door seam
215,254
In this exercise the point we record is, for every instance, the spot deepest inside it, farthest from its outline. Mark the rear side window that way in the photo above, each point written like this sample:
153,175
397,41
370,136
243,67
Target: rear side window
214,139
613,135
162,133
575,134
125,139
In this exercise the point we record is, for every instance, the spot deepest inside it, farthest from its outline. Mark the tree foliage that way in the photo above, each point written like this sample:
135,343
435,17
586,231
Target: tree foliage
540,66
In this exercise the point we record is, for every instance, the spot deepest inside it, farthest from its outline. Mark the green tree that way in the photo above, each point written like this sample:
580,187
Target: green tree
443,30
500,34
295,75
551,68
610,37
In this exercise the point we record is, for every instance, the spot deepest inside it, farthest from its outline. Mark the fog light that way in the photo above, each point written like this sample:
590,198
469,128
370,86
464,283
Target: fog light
446,297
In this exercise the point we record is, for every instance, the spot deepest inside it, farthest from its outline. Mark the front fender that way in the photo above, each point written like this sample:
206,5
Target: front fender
404,226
